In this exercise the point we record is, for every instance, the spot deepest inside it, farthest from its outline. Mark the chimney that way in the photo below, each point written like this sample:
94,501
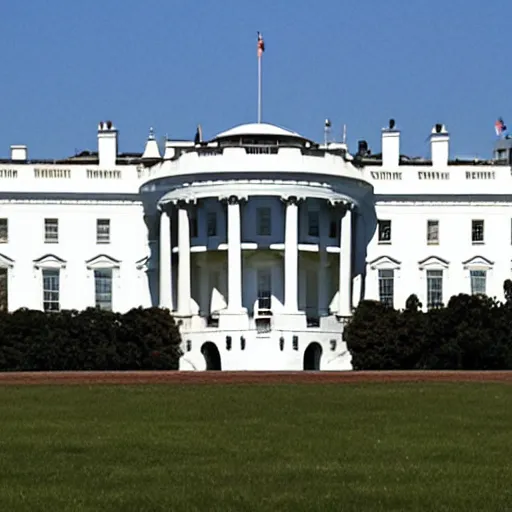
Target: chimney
390,146
107,144
170,150
439,145
19,153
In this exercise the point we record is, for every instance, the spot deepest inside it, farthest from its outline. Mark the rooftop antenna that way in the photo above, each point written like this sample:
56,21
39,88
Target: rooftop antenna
327,131
344,138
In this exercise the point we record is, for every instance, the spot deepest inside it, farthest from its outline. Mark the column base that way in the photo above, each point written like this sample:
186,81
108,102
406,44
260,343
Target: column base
182,314
290,320
233,319
228,311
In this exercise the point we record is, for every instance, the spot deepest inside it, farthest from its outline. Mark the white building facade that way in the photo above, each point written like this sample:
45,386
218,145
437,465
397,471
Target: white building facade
445,225
260,242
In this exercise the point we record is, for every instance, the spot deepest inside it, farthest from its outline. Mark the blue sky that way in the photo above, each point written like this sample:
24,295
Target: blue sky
172,64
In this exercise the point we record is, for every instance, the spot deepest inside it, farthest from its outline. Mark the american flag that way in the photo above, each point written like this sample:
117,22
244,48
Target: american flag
499,126
261,45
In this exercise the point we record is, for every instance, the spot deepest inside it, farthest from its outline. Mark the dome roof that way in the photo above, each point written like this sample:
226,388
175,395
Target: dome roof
258,129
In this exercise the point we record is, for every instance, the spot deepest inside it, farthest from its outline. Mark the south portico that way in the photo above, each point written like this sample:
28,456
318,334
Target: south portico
236,311
261,234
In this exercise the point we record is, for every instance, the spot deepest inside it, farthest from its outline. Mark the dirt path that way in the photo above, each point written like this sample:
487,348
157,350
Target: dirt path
247,377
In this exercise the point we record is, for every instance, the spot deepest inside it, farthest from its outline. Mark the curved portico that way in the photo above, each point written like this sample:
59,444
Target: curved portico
254,255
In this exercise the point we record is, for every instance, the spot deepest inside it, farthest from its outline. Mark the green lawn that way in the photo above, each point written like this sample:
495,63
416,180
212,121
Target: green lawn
406,447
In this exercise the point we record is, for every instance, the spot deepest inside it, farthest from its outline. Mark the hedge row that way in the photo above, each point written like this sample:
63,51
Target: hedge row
471,333
142,339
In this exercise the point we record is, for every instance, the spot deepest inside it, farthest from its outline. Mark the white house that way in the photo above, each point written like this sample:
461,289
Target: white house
260,241
445,225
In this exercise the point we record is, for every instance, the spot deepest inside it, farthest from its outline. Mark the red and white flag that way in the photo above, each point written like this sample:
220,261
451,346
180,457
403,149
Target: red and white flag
261,45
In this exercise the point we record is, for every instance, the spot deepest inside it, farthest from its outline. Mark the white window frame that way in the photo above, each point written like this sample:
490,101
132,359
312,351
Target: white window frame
473,240
478,263
104,262
433,263
49,222
50,262
436,241
266,302
383,241
103,236
4,239
386,263
8,264
51,290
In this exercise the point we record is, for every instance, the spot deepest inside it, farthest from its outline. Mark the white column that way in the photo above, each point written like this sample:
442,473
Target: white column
291,256
165,275
323,287
345,286
184,286
234,256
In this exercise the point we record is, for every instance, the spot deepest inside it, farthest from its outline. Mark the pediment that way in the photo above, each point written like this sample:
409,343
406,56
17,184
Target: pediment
384,262
102,261
146,264
478,262
49,261
5,261
142,263
433,262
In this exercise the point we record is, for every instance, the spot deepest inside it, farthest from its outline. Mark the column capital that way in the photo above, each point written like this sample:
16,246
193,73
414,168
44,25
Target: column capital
342,205
232,199
183,204
287,200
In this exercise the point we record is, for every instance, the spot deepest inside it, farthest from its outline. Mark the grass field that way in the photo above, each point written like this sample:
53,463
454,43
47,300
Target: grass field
293,447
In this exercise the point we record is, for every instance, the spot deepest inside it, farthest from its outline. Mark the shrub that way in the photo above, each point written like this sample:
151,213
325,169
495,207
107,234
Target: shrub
471,333
142,339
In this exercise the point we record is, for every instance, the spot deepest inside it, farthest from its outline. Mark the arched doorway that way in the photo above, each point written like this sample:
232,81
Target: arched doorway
211,355
312,356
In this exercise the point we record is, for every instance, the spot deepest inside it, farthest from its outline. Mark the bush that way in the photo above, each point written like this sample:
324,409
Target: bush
142,339
472,333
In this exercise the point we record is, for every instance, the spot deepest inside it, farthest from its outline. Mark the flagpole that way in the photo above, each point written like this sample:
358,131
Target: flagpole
259,88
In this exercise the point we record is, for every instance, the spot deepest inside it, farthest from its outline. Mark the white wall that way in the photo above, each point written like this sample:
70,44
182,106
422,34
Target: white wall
409,246
76,245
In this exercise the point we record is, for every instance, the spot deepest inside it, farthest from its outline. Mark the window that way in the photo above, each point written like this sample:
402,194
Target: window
4,290
477,231
264,227
193,225
264,289
4,231
313,224
212,224
51,231
333,229
432,232
386,287
478,281
434,288
384,231
51,289
103,231
103,288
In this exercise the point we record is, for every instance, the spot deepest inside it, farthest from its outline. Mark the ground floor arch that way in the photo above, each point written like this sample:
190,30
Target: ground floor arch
312,356
212,356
